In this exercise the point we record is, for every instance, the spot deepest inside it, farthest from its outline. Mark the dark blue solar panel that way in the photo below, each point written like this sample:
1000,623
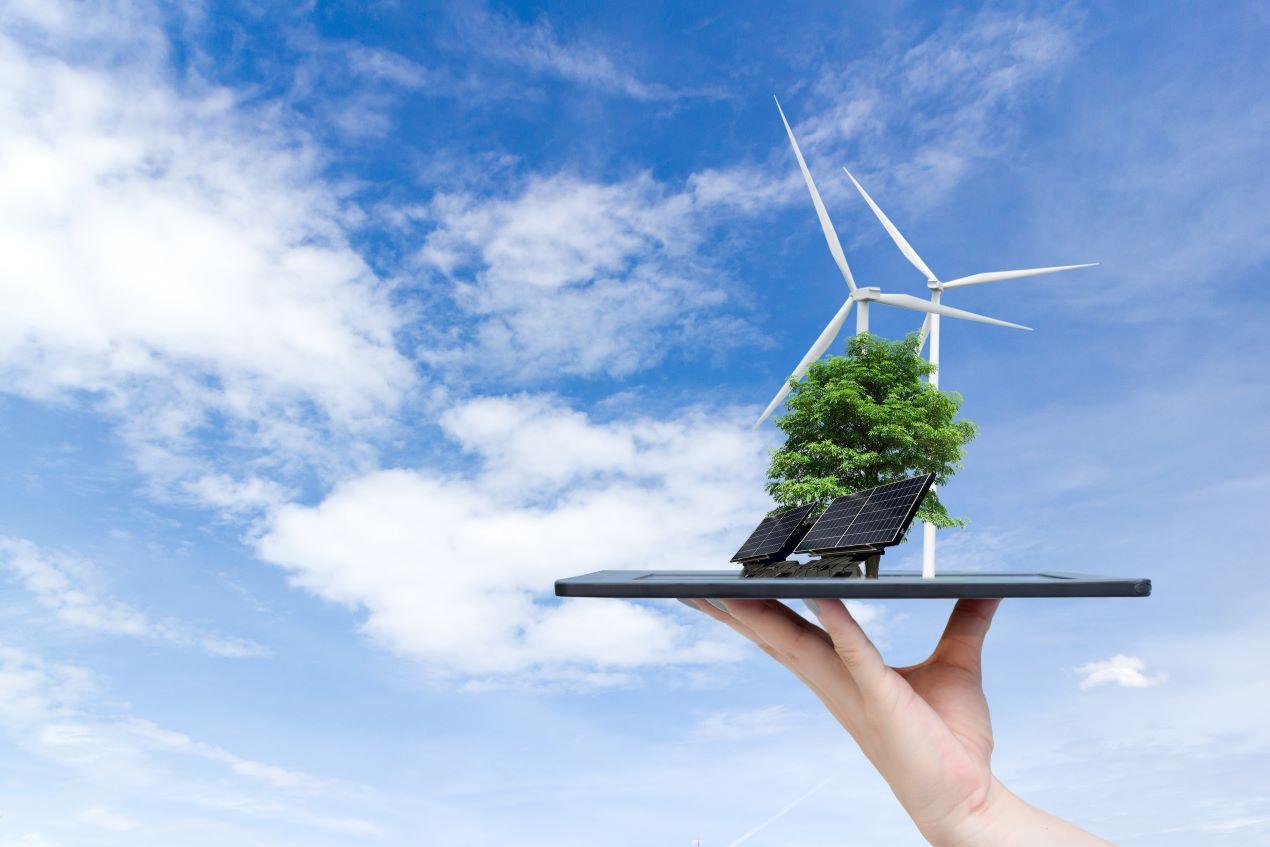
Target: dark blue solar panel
876,517
773,533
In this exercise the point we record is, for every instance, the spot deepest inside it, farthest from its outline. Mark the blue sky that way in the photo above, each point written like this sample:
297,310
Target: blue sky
333,335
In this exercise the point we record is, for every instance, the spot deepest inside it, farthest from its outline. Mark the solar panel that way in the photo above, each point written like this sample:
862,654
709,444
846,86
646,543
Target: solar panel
875,517
773,533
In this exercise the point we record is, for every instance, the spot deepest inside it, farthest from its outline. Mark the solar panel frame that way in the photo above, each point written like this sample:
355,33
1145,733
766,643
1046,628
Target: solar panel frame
875,517
773,533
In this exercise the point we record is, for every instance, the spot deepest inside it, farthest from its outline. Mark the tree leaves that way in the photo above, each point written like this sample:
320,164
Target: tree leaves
865,419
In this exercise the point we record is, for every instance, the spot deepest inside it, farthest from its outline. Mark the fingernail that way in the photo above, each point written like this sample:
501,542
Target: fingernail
718,605
689,604
814,606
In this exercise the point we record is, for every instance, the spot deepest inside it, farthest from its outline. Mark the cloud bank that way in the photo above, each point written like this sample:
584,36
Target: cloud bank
70,588
456,570
176,255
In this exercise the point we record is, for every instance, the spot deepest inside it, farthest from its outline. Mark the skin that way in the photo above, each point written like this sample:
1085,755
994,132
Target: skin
925,727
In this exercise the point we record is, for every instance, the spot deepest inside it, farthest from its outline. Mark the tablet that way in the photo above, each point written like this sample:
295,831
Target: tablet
888,585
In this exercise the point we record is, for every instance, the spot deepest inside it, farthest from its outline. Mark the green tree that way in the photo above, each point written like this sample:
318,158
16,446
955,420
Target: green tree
866,419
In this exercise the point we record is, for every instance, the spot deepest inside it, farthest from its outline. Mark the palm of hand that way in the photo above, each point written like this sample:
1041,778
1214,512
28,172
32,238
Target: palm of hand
946,712
954,694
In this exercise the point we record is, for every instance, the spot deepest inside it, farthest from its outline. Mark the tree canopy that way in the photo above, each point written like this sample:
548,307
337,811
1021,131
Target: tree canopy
866,419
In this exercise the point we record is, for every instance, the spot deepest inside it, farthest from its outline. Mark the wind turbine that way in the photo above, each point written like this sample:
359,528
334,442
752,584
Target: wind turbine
930,326
856,295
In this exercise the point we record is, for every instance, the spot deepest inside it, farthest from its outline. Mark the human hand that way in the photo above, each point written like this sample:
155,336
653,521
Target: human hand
925,727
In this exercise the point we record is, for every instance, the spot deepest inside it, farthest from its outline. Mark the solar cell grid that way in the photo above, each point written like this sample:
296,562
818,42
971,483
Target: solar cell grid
875,517
772,533
841,513
883,519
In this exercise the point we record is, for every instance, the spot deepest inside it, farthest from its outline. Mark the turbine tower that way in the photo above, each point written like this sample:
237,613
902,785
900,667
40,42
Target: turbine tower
855,295
930,326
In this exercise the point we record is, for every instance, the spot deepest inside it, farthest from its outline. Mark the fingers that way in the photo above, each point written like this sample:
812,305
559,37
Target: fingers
716,610
962,641
786,636
856,652
841,660
798,645
805,645
801,645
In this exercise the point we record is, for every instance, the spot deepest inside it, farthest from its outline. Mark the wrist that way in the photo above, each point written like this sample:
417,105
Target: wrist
1002,819
998,819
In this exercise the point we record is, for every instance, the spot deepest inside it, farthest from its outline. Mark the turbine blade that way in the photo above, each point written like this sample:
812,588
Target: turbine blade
817,350
917,304
831,236
924,333
900,241
998,276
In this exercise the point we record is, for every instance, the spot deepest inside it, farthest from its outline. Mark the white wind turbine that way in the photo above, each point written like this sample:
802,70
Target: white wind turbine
930,326
862,296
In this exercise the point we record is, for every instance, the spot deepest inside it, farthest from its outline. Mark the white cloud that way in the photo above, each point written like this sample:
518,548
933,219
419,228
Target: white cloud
456,570
387,66
356,90
983,548
53,711
536,48
29,839
751,189
108,818
237,496
1189,156
575,277
745,725
174,253
157,738
70,587
1126,671
914,119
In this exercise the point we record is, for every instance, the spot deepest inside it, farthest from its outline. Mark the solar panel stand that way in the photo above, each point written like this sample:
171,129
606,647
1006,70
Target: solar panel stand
831,567
865,562
752,567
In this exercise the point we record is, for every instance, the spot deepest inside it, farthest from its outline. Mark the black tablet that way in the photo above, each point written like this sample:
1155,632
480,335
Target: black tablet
893,585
